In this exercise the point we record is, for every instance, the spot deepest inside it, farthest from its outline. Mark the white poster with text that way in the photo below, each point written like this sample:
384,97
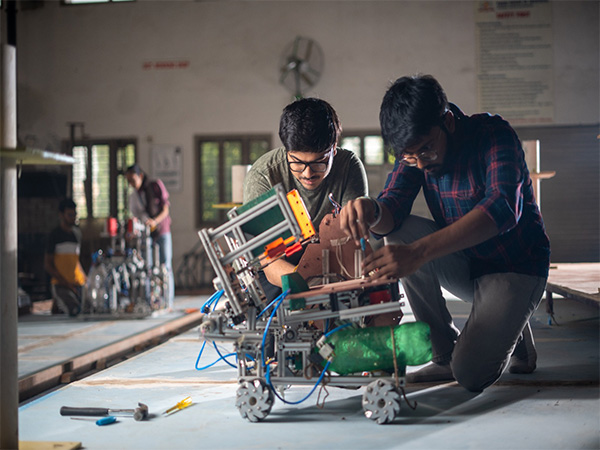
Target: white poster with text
515,60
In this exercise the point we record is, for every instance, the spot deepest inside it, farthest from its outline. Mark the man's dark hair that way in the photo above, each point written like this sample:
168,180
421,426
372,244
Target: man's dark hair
135,168
66,203
410,108
309,125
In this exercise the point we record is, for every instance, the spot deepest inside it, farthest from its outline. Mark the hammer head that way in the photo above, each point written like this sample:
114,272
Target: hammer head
141,412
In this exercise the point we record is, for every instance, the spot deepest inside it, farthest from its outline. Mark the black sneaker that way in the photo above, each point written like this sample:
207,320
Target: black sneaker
430,373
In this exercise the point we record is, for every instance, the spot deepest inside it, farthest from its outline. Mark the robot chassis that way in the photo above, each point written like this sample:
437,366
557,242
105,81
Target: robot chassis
274,225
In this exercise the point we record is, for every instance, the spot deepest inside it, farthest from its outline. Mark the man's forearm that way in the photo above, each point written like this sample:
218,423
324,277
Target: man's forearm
276,269
472,229
162,215
386,224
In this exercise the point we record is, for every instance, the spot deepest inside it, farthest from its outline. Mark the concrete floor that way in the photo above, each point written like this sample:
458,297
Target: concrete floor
557,407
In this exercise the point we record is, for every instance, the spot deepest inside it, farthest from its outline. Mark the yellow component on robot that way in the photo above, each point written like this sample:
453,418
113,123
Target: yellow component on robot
301,214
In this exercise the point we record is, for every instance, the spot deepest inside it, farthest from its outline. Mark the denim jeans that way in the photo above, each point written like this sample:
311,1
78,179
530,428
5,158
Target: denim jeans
165,256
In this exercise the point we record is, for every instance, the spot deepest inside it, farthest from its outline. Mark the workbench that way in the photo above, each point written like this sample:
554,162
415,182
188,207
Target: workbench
576,281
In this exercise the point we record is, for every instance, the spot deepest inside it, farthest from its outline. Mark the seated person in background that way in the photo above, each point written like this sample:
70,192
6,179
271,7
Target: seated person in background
61,260
311,162
487,244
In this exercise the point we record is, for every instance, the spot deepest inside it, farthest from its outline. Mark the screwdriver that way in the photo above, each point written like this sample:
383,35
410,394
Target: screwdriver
180,405
104,421
359,258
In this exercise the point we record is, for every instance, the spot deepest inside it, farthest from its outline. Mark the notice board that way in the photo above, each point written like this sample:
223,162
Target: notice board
515,69
167,165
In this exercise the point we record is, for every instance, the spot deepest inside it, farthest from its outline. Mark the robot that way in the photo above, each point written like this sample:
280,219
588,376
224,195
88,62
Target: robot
310,335
126,281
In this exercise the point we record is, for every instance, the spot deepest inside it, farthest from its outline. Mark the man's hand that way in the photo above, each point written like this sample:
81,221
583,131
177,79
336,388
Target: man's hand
151,223
355,218
393,262
397,261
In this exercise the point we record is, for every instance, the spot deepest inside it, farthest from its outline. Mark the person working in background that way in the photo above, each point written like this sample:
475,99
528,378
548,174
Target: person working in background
311,162
61,260
149,202
487,244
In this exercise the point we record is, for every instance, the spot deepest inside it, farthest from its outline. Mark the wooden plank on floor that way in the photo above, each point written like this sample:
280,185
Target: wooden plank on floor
51,376
48,445
577,281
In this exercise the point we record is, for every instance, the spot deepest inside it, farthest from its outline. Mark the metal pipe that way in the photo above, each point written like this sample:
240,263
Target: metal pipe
9,388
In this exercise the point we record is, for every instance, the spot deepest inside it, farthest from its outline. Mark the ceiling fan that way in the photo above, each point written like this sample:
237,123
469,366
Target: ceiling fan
301,65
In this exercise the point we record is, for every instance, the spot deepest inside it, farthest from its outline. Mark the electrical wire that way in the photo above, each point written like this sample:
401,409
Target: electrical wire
224,357
266,366
221,357
338,257
200,355
212,301
268,306
279,299
336,206
329,333
268,377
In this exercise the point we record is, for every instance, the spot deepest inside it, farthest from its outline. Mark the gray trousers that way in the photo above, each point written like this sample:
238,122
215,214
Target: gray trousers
68,301
502,304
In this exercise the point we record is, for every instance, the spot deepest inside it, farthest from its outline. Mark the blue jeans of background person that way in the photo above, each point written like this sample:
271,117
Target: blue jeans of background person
165,256
502,304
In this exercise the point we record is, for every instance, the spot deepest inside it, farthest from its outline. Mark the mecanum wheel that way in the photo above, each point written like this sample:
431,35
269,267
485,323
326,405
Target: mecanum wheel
254,400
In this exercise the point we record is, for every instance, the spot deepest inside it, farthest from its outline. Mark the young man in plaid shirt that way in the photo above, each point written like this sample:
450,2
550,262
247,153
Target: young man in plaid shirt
487,243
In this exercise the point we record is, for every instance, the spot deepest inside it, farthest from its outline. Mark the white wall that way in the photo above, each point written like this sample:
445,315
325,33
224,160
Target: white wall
85,63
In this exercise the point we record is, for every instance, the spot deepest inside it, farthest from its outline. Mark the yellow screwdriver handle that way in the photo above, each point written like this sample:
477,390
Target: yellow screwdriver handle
182,404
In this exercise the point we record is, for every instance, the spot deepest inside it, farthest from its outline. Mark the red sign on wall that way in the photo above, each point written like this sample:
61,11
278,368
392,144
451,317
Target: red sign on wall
166,64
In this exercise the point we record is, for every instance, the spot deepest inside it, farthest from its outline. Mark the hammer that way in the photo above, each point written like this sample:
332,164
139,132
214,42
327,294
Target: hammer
139,413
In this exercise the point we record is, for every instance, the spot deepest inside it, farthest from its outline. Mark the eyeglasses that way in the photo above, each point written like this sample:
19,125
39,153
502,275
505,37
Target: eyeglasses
411,160
426,156
299,166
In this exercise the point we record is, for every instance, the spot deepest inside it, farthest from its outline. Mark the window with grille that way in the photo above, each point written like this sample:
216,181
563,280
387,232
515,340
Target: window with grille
87,2
368,146
215,155
99,187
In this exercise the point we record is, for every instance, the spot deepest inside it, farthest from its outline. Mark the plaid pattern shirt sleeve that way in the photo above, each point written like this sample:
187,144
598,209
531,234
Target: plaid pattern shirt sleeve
401,188
486,171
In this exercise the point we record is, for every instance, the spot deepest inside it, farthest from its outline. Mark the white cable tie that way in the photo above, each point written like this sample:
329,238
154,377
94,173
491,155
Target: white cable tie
339,242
